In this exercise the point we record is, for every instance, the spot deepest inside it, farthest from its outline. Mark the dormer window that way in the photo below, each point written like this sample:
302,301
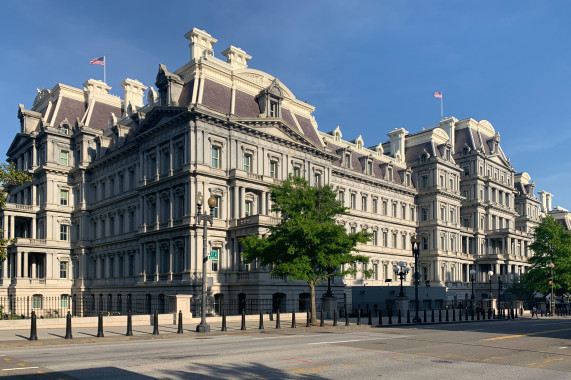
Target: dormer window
64,129
269,100
370,168
347,161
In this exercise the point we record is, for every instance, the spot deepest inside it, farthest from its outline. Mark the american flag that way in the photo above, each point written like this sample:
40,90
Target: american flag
438,94
98,61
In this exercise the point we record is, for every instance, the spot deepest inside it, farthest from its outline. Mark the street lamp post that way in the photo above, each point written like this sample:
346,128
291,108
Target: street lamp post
401,272
472,279
499,293
552,300
205,218
415,243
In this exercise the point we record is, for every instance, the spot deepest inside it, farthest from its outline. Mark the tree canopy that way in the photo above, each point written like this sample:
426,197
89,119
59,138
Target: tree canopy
9,176
552,243
307,244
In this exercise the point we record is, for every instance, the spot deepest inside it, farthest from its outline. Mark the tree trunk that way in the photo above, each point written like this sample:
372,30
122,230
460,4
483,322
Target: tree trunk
312,302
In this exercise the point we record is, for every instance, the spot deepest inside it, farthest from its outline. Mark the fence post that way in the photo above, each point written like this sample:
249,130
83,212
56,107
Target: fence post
453,315
28,306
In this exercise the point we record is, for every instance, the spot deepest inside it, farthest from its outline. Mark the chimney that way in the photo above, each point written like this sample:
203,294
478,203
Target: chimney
545,200
236,57
397,143
449,126
200,43
133,94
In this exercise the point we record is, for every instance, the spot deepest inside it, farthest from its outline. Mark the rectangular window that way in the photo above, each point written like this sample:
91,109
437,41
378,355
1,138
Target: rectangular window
385,208
385,239
342,197
63,269
348,160
63,232
63,197
273,109
248,163
394,210
296,172
273,169
424,182
317,179
424,214
375,238
64,301
364,203
214,261
403,212
216,208
215,157
395,241
403,241
375,206
353,201
63,157
248,209
37,301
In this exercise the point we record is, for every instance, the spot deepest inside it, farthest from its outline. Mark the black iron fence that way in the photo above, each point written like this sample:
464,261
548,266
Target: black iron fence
252,306
81,306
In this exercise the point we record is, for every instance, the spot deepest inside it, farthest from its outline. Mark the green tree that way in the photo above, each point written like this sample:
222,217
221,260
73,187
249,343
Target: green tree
552,243
307,244
9,176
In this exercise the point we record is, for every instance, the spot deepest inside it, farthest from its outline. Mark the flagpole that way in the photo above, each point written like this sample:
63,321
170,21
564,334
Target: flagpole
104,64
441,105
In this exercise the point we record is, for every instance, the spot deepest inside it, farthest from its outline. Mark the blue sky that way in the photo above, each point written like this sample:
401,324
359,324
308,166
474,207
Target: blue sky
367,66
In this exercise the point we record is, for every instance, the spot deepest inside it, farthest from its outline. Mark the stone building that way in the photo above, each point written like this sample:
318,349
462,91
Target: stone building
110,211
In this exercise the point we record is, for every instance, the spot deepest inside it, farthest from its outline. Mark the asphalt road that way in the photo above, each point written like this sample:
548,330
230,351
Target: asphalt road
515,349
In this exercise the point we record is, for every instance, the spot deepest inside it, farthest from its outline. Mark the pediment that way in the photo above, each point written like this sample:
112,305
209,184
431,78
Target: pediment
280,130
20,141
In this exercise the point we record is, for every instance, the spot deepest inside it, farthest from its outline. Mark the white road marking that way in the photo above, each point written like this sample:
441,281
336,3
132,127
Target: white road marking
14,369
562,348
345,341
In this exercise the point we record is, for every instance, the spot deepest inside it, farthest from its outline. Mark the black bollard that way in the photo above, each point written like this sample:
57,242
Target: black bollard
516,313
100,325
478,314
243,327
460,315
370,321
179,331
278,319
156,323
129,324
380,317
358,316
439,315
424,316
335,317
223,321
399,320
453,315
261,326
390,312
346,317
466,314
68,326
489,313
293,325
447,320
494,313
271,313
407,315
432,317
321,321
33,327
308,320
472,314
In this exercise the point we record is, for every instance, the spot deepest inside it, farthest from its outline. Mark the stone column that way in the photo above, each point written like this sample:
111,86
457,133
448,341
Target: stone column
236,201
263,203
26,265
241,201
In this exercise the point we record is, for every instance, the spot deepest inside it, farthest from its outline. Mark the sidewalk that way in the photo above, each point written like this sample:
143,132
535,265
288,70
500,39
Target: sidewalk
88,334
